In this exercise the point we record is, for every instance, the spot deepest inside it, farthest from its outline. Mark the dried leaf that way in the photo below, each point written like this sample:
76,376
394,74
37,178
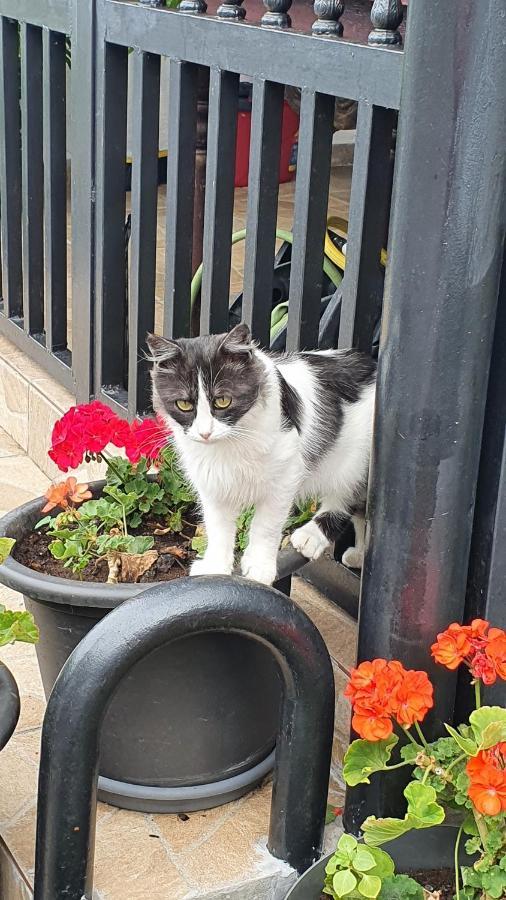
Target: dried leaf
162,530
175,550
129,567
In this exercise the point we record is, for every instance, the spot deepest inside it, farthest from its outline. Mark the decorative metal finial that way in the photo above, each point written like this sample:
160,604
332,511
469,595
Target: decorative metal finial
193,6
231,9
386,16
328,12
277,14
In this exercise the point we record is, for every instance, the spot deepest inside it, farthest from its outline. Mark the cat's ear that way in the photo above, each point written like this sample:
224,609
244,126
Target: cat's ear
238,340
162,349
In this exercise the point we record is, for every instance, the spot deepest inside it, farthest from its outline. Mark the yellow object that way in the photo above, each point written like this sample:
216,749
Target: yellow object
340,227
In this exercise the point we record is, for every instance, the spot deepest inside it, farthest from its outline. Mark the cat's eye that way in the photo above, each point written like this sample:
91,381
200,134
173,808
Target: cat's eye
222,402
184,405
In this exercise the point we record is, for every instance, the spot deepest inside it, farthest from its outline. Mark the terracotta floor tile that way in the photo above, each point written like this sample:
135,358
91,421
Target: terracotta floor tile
18,779
182,836
337,628
131,865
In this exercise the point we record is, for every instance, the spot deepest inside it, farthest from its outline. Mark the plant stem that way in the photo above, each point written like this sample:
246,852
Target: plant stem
477,692
124,520
110,465
456,762
396,766
456,858
420,734
481,826
411,738
426,774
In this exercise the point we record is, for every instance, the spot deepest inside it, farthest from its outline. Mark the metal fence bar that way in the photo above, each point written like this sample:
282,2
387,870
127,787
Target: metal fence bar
183,84
83,193
438,324
370,197
309,219
111,142
10,169
219,208
32,179
64,854
55,189
141,306
263,184
344,69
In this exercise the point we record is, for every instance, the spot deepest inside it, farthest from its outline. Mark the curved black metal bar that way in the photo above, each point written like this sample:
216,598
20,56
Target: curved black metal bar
84,688
9,705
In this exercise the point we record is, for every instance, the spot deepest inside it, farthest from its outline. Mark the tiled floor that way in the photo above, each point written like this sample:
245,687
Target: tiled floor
218,853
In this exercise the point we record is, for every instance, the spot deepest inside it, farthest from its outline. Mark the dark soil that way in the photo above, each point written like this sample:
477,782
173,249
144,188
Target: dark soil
175,556
441,880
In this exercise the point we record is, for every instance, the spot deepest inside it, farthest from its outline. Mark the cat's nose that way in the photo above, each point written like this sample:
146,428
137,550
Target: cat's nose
205,435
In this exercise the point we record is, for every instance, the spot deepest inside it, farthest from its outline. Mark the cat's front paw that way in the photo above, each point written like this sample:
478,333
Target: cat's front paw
353,558
309,540
259,568
209,567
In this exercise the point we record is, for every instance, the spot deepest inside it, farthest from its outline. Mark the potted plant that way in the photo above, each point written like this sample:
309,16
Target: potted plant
194,724
14,626
460,777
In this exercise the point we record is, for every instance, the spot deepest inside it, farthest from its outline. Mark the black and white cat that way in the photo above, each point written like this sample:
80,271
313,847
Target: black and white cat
257,429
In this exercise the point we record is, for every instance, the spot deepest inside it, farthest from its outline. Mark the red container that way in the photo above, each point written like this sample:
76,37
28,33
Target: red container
289,133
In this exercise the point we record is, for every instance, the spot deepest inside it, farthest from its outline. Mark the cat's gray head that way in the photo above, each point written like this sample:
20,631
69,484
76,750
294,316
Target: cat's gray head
206,385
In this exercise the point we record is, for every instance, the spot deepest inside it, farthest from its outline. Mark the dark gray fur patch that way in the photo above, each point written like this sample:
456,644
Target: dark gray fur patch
341,379
227,367
291,406
331,524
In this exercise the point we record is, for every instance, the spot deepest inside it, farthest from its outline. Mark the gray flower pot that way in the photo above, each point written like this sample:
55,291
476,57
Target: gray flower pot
430,849
192,726
9,705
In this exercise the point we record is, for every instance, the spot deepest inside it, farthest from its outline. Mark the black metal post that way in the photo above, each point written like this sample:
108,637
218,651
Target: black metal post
445,253
486,585
69,756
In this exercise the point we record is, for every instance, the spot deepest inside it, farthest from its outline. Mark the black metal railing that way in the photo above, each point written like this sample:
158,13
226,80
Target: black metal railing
88,329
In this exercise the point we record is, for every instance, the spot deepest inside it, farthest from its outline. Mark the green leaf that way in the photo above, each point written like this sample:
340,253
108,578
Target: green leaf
422,807
489,725
17,626
381,831
423,812
344,882
45,521
465,744
384,865
363,861
6,545
57,549
370,886
401,887
363,758
347,844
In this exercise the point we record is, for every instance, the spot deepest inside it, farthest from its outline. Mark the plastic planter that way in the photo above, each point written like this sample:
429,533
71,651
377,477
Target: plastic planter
192,726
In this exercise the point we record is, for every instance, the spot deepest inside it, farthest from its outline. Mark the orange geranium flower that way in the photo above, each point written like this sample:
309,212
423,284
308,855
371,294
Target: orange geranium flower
487,775
372,724
413,698
65,494
452,646
496,650
381,691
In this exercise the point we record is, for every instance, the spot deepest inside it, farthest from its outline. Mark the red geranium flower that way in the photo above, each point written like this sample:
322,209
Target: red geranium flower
413,698
381,691
148,438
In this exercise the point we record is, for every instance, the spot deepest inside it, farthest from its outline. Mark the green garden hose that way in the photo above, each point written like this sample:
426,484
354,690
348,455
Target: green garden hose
279,314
